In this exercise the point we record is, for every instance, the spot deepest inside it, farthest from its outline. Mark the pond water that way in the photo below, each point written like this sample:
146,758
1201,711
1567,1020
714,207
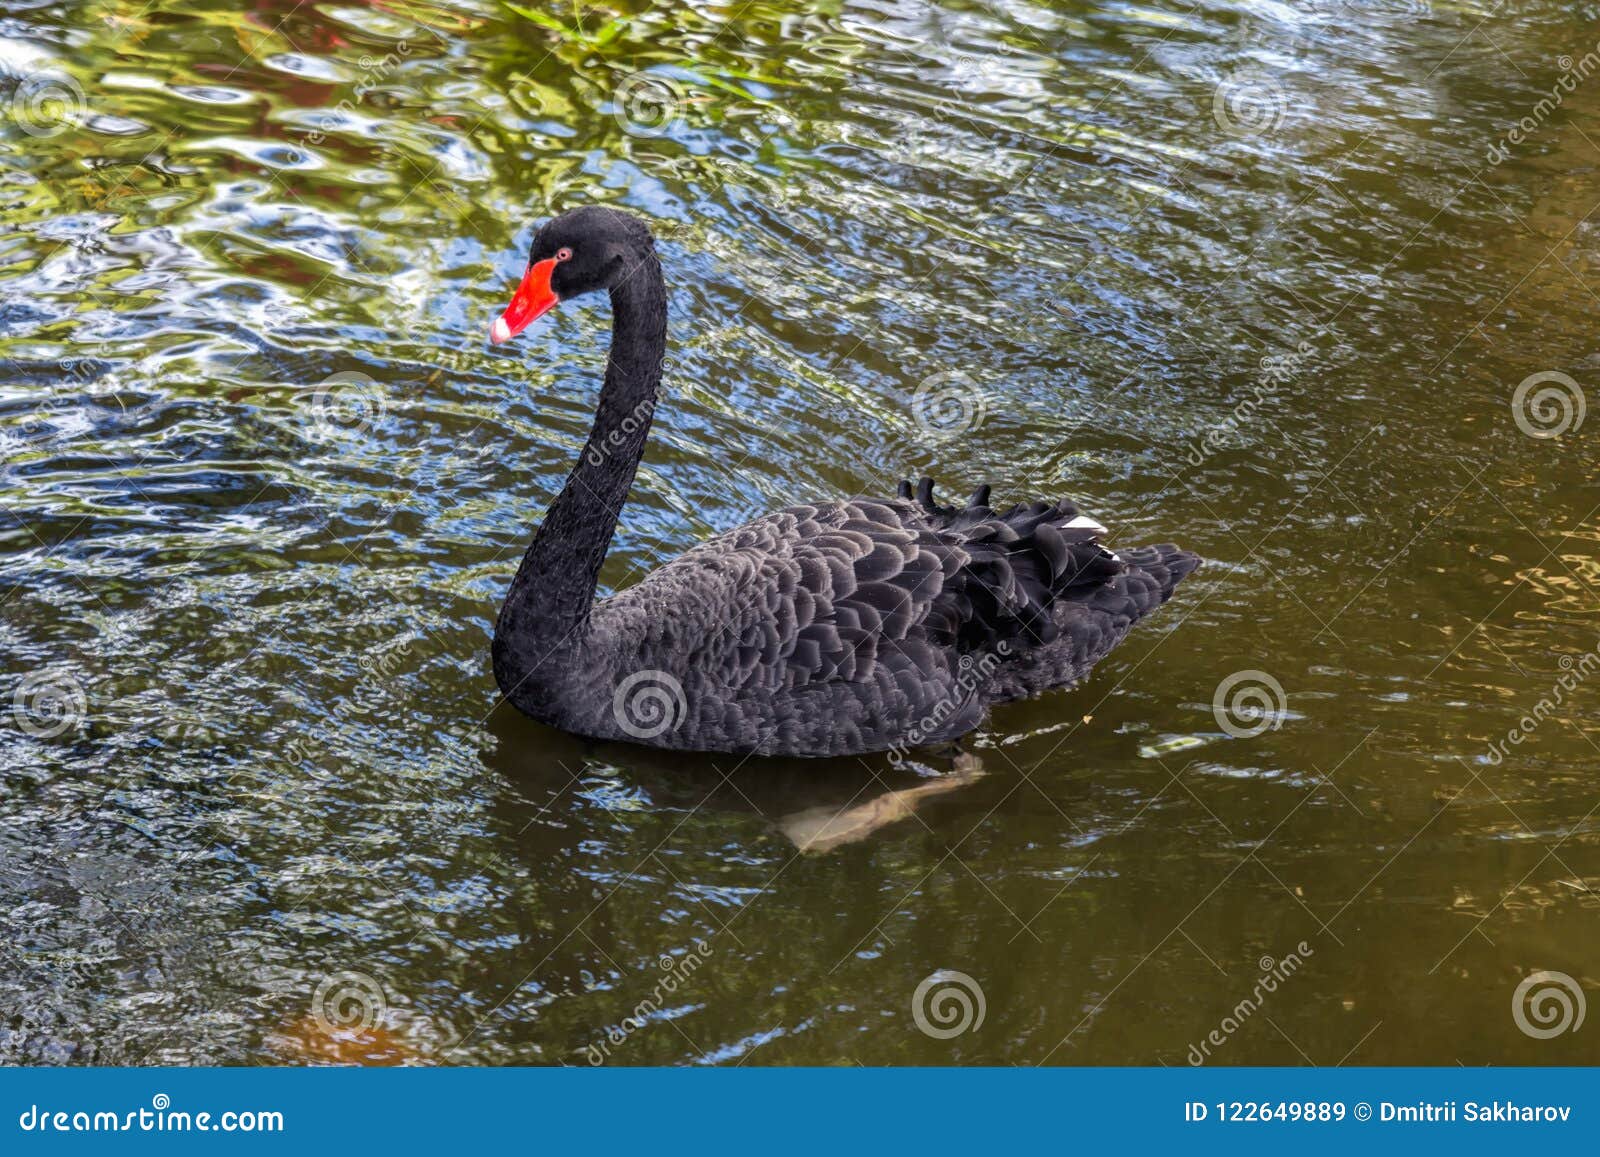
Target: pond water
1308,288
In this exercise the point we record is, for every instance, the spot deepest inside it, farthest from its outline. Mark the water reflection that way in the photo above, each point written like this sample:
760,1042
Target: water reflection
818,806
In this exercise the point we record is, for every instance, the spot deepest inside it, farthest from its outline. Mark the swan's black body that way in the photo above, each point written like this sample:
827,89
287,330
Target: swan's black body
831,628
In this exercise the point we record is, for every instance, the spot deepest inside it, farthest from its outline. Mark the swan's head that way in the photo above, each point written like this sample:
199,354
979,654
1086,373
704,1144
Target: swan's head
579,252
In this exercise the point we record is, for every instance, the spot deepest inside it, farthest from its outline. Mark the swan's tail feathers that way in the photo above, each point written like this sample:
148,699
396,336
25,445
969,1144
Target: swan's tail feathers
1169,565
1094,620
1012,566
1023,569
1160,569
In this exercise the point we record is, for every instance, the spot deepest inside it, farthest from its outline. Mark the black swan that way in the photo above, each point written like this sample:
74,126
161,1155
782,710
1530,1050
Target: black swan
825,629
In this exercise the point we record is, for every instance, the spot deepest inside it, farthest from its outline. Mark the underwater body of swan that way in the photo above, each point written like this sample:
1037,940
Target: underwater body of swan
829,628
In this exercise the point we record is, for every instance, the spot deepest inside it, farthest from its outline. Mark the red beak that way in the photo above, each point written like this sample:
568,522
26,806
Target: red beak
533,299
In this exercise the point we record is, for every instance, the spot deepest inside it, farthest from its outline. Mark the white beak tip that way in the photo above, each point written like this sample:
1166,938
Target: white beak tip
499,332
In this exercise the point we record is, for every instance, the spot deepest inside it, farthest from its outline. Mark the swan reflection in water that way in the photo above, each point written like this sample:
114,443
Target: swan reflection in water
817,805
823,828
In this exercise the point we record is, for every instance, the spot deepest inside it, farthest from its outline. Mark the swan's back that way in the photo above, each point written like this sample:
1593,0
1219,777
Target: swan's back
865,624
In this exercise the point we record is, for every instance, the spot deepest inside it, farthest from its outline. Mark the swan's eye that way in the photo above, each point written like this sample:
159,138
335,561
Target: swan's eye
563,254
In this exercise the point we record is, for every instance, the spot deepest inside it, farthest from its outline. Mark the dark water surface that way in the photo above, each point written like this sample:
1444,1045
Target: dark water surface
1261,278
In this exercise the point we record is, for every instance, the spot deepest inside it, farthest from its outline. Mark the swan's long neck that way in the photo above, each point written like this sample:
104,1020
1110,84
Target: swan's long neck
547,609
